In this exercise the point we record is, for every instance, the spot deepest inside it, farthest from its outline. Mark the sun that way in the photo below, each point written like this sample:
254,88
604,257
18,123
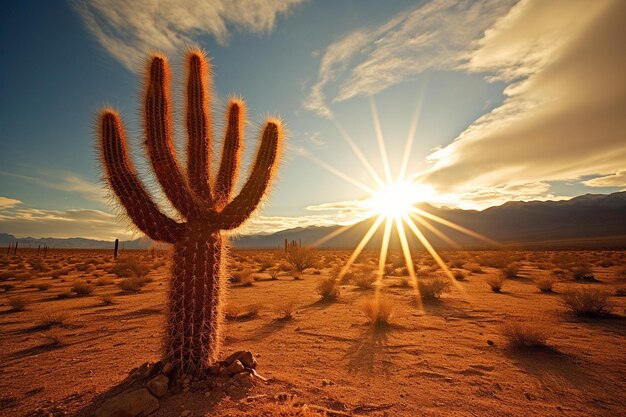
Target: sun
397,199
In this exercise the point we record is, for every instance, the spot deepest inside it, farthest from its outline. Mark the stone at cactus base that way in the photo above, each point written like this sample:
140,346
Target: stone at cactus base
235,367
244,356
158,385
129,404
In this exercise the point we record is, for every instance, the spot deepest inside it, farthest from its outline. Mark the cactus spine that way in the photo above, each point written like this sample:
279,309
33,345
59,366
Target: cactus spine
204,203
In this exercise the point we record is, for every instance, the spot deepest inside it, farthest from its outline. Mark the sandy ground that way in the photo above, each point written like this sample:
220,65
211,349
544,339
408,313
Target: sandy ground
451,358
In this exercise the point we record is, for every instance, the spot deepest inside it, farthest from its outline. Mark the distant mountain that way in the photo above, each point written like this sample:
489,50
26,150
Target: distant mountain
590,220
594,220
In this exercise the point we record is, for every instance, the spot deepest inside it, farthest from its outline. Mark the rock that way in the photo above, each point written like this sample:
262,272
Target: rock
185,413
490,342
235,367
326,382
243,356
167,368
213,370
158,385
129,404
243,378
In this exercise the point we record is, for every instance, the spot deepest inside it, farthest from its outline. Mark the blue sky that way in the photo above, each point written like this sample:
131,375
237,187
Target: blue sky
517,100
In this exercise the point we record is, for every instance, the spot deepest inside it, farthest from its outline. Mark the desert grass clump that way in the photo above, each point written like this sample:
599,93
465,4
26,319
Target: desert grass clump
237,312
495,282
379,313
545,283
82,287
104,281
107,300
525,334
130,267
587,301
328,289
583,272
285,310
432,289
132,285
511,271
300,257
51,319
459,276
364,280
18,303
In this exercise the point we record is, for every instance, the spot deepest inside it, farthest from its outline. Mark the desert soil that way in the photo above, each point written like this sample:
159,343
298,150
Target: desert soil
450,358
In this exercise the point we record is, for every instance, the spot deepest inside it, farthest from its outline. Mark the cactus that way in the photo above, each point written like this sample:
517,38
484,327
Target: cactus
203,202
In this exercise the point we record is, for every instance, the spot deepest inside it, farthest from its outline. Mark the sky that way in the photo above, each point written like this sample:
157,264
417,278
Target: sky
502,100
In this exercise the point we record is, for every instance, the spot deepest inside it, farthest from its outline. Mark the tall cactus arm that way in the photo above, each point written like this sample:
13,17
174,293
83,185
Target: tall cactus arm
124,182
158,129
238,210
229,165
198,126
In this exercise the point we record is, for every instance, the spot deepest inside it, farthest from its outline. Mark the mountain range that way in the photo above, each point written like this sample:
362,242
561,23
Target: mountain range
590,220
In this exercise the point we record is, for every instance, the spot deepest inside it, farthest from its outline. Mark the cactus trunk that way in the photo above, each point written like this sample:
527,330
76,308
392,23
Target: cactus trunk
195,317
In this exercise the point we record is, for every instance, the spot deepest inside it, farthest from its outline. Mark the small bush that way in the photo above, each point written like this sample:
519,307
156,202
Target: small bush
300,257
495,282
510,271
432,289
265,265
18,303
457,263
104,281
459,276
587,301
582,272
132,285
404,282
130,267
82,287
545,283
107,300
524,334
328,289
285,309
379,313
273,272
52,319
474,268
364,281
236,312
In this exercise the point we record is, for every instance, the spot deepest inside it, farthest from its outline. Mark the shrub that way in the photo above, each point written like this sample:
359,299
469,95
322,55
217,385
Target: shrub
82,287
363,280
52,319
459,276
457,263
104,281
129,267
265,265
18,303
510,271
432,288
379,312
273,272
587,301
300,257
582,272
474,268
286,310
132,285
545,283
404,282
237,312
328,289
495,282
107,300
524,334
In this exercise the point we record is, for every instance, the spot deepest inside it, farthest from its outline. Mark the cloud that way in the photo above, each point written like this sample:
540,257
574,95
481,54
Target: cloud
564,114
6,202
93,224
65,181
129,29
617,179
433,35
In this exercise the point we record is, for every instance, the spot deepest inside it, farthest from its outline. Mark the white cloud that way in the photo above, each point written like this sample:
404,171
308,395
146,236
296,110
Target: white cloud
65,181
564,115
436,34
129,29
617,179
6,202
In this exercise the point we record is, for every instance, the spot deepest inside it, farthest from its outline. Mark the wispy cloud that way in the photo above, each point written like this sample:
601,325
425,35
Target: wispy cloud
564,114
129,29
64,181
617,179
6,202
434,35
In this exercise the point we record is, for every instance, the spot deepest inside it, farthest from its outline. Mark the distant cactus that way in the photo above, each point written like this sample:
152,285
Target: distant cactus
203,201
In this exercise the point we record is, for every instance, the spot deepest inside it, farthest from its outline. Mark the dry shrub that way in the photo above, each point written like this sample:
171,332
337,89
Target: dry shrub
300,257
583,272
431,289
495,282
107,300
328,289
459,276
273,272
457,263
265,265
237,312
587,301
404,282
82,287
243,277
379,312
18,303
545,283
525,334
104,281
130,267
52,319
473,267
511,271
364,280
132,285
285,309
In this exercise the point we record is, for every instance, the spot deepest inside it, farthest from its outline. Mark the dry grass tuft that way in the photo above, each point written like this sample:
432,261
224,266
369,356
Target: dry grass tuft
379,313
82,287
586,301
132,285
364,280
130,267
511,271
524,335
286,310
459,276
433,288
495,282
328,289
107,300
300,257
545,283
52,319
